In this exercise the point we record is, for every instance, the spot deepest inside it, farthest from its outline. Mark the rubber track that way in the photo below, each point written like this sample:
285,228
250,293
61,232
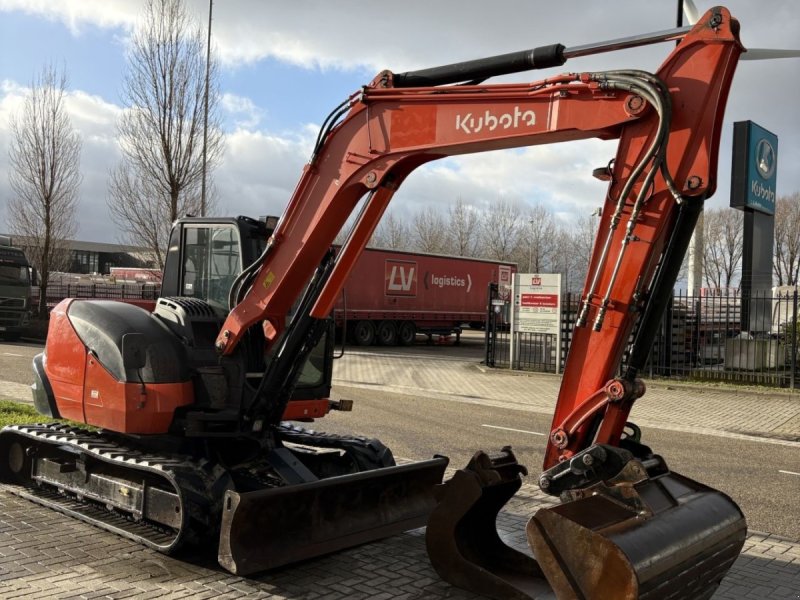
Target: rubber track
199,484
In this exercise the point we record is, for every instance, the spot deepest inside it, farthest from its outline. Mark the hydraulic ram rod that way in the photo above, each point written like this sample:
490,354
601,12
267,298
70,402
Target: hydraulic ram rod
542,57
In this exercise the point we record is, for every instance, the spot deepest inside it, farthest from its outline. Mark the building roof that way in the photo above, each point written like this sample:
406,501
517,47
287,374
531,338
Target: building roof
81,245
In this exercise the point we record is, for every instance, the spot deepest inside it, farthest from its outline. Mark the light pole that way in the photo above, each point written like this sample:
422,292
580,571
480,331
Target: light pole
205,114
530,247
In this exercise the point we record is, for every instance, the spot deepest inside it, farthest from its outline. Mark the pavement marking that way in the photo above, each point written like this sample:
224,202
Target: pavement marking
12,354
788,472
512,429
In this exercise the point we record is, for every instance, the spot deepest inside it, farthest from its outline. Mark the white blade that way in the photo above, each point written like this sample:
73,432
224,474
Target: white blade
690,12
767,54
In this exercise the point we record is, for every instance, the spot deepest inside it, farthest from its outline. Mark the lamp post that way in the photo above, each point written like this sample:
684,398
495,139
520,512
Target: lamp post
530,247
205,114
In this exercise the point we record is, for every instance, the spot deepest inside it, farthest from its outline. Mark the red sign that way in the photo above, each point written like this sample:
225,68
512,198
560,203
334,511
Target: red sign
539,300
536,281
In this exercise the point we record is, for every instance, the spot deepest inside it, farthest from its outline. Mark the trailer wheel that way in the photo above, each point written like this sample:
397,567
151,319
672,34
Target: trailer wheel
407,333
364,333
387,333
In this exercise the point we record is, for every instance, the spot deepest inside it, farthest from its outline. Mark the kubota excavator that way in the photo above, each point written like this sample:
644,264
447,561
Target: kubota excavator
193,398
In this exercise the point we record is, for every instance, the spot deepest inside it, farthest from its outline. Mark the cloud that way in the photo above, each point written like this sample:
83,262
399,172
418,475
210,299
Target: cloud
243,111
77,14
260,167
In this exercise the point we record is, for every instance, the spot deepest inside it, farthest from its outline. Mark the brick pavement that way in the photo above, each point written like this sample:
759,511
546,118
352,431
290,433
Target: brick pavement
44,554
47,555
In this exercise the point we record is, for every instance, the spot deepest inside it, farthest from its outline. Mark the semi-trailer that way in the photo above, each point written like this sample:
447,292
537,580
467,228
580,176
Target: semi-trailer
391,296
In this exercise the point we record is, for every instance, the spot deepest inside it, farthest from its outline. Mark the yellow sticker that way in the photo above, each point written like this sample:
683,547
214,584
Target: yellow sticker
269,279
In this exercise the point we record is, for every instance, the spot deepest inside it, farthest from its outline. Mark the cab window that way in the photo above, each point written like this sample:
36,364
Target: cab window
211,262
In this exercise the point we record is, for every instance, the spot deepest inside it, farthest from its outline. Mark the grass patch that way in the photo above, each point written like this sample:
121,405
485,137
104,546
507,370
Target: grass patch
16,413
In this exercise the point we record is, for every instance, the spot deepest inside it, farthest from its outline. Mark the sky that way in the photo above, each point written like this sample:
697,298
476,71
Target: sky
285,65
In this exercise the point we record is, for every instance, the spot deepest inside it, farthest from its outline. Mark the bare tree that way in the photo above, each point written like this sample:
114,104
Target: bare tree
540,236
429,231
575,245
503,228
161,131
786,263
463,229
722,254
392,233
45,176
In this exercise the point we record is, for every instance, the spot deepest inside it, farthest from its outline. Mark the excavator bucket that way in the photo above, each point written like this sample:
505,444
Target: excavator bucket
643,534
662,538
462,540
268,528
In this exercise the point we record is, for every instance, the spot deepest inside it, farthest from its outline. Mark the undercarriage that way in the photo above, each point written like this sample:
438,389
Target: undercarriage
168,500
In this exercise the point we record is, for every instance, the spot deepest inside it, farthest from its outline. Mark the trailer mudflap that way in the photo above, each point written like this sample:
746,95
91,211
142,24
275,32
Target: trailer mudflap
462,540
663,537
269,528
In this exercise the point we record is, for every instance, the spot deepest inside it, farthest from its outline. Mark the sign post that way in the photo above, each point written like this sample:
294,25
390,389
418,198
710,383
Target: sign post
537,308
754,176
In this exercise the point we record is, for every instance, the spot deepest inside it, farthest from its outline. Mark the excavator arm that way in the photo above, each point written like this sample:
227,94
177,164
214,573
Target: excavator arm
668,126
629,527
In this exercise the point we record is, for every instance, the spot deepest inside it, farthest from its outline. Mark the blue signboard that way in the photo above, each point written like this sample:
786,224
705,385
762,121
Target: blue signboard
755,168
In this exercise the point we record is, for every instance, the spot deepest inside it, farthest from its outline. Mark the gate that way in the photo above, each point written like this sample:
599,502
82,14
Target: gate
498,333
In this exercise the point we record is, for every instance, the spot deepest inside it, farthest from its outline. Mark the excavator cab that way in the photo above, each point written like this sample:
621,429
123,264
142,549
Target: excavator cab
204,258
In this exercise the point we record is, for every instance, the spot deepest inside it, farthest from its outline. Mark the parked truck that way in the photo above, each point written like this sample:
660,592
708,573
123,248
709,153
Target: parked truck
391,295
15,290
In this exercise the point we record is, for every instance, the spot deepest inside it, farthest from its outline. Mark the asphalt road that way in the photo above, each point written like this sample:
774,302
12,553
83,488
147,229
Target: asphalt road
418,427
15,360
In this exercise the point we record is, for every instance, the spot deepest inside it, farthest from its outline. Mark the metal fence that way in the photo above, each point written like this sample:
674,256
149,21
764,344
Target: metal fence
56,292
713,336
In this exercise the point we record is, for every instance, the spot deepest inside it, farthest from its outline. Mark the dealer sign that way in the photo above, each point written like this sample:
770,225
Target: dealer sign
754,171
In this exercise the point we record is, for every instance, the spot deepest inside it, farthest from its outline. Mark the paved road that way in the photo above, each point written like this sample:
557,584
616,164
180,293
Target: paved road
419,427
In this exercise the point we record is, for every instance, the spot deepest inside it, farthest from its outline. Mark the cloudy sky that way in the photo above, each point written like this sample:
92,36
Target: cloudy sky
285,65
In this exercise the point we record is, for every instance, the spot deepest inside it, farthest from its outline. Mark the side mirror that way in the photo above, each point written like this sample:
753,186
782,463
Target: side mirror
134,351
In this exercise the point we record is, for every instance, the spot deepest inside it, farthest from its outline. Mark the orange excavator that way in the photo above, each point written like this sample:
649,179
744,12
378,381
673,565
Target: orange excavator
193,400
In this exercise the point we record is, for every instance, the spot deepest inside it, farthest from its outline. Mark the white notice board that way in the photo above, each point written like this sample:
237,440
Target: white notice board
537,306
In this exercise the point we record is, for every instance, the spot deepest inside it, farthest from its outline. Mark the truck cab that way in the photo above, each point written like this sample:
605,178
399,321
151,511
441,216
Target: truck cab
15,290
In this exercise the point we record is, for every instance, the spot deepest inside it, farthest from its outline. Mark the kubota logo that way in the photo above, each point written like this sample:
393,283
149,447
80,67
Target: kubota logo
470,123
401,278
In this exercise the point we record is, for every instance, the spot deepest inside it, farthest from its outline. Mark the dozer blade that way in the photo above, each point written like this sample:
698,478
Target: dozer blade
462,540
665,537
268,528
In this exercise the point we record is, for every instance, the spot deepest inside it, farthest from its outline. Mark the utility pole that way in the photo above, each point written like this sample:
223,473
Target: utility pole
205,113
530,247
